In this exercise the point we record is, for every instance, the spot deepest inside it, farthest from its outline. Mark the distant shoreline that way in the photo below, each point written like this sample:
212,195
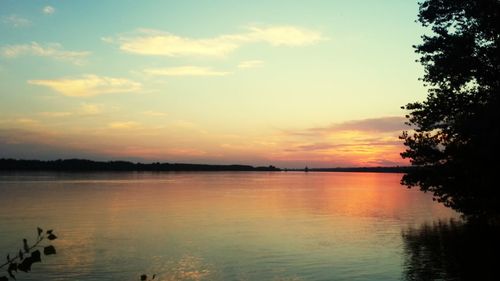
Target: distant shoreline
396,169
107,166
83,165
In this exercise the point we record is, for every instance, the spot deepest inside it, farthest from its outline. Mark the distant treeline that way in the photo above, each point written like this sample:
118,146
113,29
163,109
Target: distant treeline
397,169
89,165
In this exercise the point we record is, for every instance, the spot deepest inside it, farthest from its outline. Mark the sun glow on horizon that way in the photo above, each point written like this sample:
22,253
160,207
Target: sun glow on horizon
273,85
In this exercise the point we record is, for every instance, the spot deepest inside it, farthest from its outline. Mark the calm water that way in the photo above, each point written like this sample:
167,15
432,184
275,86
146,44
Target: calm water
216,226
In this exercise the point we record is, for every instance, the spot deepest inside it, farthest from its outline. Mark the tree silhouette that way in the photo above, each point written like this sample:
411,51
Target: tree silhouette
455,139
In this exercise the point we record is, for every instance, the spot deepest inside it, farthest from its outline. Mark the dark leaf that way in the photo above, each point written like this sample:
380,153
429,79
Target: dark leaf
21,255
12,267
154,276
51,237
25,246
25,265
49,250
36,256
39,231
144,277
8,257
49,231
4,278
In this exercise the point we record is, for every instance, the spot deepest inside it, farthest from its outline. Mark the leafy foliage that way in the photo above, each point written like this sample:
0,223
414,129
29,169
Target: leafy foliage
28,255
455,141
144,277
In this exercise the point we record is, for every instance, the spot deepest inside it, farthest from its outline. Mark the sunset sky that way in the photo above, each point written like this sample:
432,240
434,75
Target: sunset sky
285,83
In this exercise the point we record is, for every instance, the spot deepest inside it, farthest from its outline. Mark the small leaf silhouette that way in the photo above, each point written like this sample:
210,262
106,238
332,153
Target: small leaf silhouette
39,231
21,255
8,257
49,250
51,237
25,265
36,256
144,277
49,231
25,246
154,276
4,278
12,267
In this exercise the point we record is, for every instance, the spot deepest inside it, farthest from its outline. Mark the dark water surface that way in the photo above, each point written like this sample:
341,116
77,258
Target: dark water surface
219,226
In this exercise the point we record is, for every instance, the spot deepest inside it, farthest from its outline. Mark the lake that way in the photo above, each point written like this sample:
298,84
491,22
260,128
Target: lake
216,225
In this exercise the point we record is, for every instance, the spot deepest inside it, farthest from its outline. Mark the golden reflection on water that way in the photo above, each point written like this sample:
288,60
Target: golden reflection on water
241,197
219,226
185,268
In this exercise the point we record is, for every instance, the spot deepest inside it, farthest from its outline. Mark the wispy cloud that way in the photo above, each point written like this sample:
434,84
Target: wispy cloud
26,121
90,109
89,85
152,42
160,43
282,35
40,143
382,124
55,114
48,10
123,125
355,143
250,64
364,142
53,50
184,71
16,21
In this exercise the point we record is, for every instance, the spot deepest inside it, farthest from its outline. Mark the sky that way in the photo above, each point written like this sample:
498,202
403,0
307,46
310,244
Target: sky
284,83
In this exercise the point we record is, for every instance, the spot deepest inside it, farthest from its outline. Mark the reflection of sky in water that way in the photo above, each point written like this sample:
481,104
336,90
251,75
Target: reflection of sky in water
216,226
185,268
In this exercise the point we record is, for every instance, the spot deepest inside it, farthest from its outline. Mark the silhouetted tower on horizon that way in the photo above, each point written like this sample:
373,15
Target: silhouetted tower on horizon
306,169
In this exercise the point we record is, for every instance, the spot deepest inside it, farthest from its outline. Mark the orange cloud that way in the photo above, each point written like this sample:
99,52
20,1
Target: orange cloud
352,143
366,142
